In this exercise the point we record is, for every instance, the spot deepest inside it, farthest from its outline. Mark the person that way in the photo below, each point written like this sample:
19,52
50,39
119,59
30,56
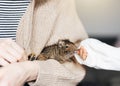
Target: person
44,22
97,54
10,14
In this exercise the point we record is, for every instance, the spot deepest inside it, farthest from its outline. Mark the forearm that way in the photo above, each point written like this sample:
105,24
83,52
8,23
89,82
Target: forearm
17,74
48,72
31,68
100,55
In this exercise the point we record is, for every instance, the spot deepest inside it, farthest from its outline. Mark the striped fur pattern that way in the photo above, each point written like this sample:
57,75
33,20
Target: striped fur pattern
62,51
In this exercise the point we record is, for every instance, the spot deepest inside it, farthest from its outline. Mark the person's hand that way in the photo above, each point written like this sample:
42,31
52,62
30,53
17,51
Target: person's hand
82,52
10,52
17,74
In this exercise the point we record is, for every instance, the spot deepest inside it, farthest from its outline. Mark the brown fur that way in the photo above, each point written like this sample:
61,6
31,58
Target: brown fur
62,51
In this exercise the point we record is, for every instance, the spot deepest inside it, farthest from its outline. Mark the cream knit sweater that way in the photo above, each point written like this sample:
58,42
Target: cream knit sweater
44,22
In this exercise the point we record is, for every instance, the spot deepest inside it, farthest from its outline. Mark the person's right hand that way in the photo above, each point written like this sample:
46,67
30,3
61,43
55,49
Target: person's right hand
10,52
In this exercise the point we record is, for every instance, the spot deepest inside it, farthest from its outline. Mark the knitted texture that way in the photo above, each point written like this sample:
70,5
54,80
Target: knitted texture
44,22
53,73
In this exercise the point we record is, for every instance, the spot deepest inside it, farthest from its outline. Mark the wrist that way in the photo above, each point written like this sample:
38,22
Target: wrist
31,68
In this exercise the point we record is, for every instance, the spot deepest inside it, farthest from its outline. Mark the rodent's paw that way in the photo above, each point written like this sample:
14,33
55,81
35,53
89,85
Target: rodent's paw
32,57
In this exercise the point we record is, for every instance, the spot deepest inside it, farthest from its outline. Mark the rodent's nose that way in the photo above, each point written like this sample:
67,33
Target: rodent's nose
75,51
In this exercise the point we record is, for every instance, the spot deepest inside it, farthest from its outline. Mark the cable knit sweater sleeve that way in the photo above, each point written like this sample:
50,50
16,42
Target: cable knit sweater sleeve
52,73
100,55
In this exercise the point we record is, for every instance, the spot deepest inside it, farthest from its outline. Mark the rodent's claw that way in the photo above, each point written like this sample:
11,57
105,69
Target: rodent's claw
32,57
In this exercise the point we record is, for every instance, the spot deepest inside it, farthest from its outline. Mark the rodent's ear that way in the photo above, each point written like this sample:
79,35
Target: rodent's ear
77,42
61,43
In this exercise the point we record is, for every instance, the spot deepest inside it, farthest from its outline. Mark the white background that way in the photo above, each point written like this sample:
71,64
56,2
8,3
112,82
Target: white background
100,17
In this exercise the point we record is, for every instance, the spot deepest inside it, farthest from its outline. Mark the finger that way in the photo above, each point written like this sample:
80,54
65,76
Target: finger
7,50
7,56
13,53
4,39
78,51
84,57
85,53
3,62
81,52
15,46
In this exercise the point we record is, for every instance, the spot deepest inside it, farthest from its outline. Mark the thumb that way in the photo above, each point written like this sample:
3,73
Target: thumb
78,58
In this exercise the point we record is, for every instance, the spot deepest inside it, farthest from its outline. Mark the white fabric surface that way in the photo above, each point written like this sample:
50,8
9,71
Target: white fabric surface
100,55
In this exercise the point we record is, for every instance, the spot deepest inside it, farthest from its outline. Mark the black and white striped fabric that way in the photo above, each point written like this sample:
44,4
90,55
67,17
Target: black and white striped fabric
10,13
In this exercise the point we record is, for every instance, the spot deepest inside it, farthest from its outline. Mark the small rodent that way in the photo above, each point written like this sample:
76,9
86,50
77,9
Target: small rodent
62,51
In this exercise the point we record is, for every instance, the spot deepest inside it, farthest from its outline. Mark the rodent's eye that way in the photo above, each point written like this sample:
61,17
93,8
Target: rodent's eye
66,46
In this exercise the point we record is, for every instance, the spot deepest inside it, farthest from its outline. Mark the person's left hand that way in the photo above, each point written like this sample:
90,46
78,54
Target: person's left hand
11,52
17,74
82,52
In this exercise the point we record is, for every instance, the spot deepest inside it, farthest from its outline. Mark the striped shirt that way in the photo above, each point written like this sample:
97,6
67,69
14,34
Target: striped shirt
10,14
